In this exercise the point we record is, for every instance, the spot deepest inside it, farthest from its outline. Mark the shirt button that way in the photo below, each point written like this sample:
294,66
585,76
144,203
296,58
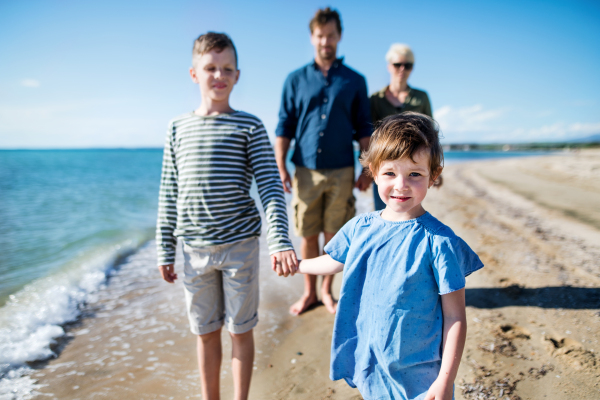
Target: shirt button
321,133
326,83
323,116
325,100
318,150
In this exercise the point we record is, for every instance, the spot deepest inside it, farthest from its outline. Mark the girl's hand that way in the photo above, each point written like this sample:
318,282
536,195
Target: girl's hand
440,391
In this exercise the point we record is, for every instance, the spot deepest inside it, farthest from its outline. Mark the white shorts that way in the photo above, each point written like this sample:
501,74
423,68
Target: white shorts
221,286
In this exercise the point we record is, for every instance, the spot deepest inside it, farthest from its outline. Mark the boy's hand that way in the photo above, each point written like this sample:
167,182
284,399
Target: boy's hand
284,263
166,271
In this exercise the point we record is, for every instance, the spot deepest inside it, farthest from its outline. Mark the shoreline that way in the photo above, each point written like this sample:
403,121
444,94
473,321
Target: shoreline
533,318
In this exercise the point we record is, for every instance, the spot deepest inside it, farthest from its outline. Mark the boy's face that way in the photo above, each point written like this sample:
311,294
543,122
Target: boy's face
325,39
403,184
216,74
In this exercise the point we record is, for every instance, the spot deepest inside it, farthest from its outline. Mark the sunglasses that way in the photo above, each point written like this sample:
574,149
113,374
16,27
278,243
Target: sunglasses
405,65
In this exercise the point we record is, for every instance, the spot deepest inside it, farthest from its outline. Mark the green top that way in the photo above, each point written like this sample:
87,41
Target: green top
417,101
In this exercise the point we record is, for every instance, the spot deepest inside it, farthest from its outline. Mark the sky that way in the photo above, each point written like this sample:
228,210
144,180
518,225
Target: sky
81,74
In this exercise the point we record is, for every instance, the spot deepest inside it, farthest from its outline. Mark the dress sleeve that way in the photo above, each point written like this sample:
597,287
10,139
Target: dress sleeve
453,261
338,246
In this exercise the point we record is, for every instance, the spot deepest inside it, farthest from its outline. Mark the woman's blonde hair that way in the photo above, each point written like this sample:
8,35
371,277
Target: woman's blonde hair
401,50
403,135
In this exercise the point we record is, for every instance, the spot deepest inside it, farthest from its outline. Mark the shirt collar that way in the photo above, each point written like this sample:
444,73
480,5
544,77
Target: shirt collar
381,93
338,62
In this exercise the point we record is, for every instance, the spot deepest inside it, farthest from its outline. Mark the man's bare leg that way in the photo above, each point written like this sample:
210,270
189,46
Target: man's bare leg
242,359
209,363
309,248
326,296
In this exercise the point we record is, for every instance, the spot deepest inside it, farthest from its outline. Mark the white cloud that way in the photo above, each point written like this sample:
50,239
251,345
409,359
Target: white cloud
557,131
74,125
31,83
468,123
477,124
466,119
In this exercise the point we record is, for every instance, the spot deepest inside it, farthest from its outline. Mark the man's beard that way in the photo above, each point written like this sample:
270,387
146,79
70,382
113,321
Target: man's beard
327,55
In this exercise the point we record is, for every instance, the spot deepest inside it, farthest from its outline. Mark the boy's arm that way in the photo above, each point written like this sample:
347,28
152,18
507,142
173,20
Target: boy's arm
166,242
324,265
455,333
262,162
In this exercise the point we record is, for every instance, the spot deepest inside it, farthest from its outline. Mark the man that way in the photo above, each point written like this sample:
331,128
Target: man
324,107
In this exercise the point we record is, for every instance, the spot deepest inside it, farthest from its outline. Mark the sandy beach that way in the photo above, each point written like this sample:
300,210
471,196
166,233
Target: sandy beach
533,312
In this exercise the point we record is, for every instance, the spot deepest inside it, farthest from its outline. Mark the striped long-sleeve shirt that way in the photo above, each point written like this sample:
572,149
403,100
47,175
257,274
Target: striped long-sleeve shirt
207,171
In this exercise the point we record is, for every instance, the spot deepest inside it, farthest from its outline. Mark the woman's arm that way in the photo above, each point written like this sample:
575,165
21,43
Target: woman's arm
324,265
455,333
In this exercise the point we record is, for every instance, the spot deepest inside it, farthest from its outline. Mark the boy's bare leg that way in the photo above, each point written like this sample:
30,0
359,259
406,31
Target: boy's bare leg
309,248
209,362
326,296
242,362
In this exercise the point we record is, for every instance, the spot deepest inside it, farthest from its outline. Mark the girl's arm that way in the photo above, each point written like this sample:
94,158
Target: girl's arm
455,332
324,265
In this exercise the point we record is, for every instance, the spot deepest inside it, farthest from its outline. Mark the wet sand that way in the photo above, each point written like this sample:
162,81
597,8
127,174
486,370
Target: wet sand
533,312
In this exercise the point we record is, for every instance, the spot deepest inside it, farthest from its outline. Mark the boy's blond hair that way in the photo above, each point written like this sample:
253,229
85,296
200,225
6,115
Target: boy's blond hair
212,41
402,135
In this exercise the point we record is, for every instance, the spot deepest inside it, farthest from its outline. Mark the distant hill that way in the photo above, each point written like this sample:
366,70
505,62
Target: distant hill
588,139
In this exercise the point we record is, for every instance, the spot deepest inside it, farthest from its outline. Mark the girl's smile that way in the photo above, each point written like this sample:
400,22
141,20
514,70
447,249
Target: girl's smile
403,185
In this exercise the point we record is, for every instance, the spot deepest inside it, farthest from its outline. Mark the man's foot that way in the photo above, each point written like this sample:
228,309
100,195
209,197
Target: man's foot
329,302
305,302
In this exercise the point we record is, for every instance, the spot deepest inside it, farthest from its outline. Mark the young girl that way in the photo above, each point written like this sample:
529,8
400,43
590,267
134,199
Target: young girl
400,326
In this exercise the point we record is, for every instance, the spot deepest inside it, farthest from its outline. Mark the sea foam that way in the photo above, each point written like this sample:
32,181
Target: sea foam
33,318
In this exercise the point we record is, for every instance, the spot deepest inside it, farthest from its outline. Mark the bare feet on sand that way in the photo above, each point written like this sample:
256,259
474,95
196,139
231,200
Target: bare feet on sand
305,302
329,302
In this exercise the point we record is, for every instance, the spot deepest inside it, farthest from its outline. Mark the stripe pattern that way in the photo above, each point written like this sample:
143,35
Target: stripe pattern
207,171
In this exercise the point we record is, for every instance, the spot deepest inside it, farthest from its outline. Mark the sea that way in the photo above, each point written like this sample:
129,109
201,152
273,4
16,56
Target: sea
71,219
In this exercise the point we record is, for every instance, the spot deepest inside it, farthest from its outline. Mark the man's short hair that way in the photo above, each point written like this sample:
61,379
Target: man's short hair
403,135
213,41
324,16
401,50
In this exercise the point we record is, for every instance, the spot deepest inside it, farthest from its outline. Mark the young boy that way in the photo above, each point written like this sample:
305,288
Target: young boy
209,159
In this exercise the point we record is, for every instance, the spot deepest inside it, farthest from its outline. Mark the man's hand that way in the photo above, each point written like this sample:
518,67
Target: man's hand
166,271
282,145
285,180
284,263
363,182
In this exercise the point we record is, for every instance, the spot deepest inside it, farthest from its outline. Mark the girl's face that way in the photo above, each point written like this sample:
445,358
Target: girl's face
402,186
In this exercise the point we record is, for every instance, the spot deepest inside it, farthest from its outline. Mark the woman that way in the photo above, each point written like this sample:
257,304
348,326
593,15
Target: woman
397,97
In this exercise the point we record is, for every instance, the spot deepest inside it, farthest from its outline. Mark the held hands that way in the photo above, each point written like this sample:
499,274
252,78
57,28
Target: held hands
167,273
440,391
284,263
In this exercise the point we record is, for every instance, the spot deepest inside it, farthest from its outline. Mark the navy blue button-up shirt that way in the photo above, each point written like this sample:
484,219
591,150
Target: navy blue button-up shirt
324,115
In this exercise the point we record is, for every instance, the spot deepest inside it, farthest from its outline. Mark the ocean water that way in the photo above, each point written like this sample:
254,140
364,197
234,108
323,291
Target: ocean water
70,218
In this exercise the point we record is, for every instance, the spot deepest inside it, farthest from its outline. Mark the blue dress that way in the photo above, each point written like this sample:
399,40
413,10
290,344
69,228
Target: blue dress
387,337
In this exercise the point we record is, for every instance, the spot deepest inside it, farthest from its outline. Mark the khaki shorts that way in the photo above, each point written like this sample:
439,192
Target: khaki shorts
322,200
221,286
